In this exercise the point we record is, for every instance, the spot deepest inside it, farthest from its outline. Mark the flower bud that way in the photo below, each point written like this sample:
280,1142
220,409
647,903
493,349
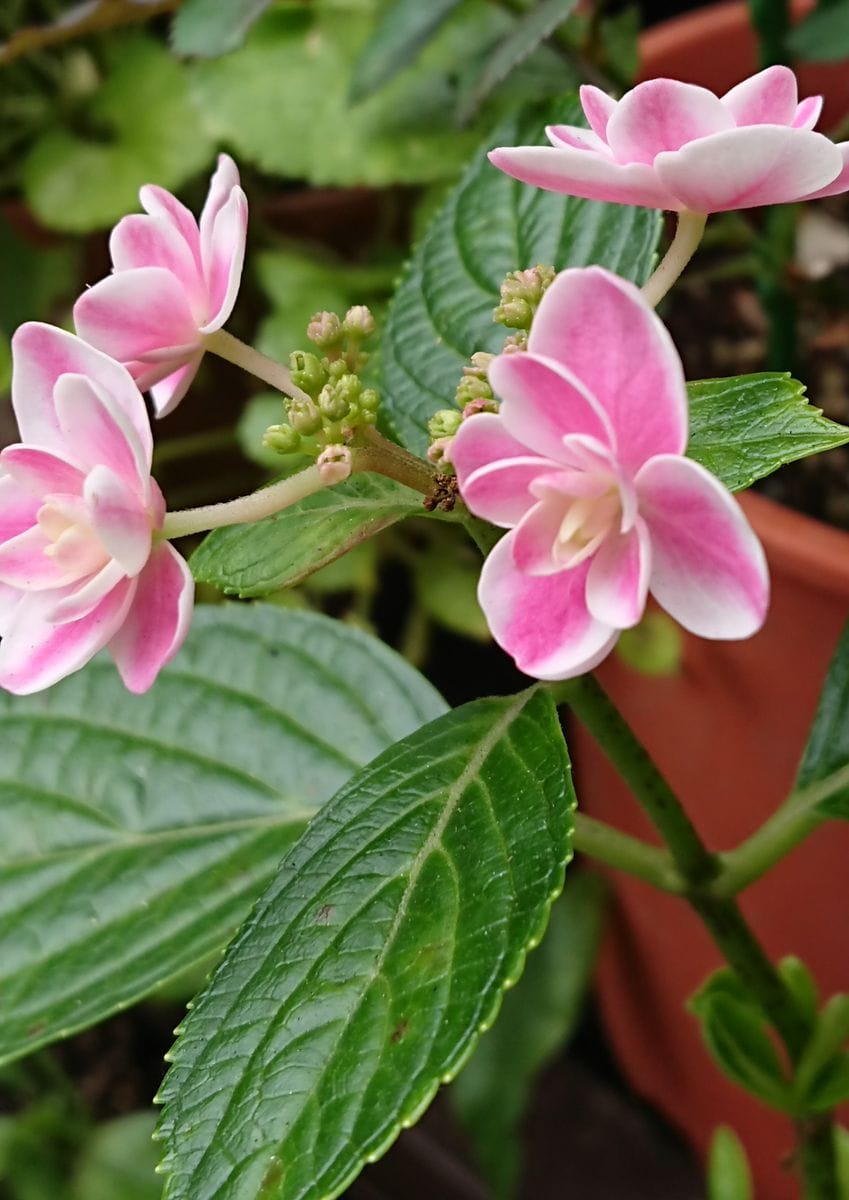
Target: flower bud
439,451
332,402
479,406
304,416
358,323
515,314
444,423
521,293
472,388
369,401
479,364
325,330
334,464
308,373
282,439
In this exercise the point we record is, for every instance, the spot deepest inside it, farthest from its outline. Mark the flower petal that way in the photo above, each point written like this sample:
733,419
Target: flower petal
226,256
748,167
79,601
144,241
494,471
542,401
225,178
618,578
39,472
159,203
35,653
168,392
119,519
142,314
542,621
579,173
598,108
580,139
96,431
768,98
611,339
24,564
663,114
535,536
808,112
841,183
18,508
708,567
40,354
158,621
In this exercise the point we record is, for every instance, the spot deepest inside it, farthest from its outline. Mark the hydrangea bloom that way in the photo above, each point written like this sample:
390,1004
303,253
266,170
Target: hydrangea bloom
80,566
584,464
673,145
174,280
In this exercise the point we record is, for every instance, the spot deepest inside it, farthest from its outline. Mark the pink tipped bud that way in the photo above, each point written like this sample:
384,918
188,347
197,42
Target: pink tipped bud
334,464
325,330
359,322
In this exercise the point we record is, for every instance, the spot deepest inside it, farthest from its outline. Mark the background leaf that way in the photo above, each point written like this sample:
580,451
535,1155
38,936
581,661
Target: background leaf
135,832
538,1016
209,28
746,427
119,1161
729,1177
254,560
366,972
824,34
827,750
402,29
491,224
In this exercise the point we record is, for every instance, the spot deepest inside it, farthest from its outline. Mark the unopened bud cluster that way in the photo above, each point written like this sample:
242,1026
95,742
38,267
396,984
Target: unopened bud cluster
521,293
335,404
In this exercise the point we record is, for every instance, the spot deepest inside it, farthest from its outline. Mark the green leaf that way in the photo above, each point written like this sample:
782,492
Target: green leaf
209,28
370,966
491,224
746,427
827,750
142,128
136,832
824,34
538,1017
119,1160
298,284
254,560
446,587
822,1076
262,410
532,28
729,1176
401,31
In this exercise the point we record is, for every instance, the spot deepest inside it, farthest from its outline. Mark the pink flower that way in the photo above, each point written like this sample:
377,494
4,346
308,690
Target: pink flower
174,280
673,145
80,565
584,465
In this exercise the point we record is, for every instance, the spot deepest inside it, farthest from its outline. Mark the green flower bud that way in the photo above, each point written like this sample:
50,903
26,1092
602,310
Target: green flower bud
472,388
283,439
332,403
337,368
325,329
304,416
358,323
515,314
308,373
521,293
445,423
369,400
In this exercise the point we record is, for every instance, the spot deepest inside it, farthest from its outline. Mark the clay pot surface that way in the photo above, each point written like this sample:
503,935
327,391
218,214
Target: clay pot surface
728,732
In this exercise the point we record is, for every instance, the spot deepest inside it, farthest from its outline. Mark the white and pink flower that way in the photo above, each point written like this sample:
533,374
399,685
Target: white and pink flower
81,566
673,145
174,281
584,464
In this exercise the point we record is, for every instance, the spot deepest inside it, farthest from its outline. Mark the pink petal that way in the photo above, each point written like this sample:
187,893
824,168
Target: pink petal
119,519
580,139
748,167
494,471
603,330
225,258
10,598
618,578
542,401
142,314
84,597
35,653
221,185
663,114
841,183
157,623
598,108
808,112
40,354
39,472
24,564
579,173
159,203
768,98
144,241
18,508
168,392
542,621
97,432
535,536
708,567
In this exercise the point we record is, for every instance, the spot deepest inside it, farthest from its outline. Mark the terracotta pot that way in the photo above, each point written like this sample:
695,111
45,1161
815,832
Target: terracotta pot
728,732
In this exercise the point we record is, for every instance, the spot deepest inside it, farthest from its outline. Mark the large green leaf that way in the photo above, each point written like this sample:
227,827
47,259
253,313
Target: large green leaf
254,560
827,751
537,1018
135,832
138,127
490,225
209,28
401,31
746,427
368,969
824,34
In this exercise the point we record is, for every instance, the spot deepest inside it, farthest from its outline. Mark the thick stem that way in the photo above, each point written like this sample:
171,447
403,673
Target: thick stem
273,373
246,509
619,850
683,246
818,1158
390,459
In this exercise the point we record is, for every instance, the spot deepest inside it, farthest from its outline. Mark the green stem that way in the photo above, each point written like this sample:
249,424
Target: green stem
246,509
619,850
818,1158
778,242
771,22
688,234
260,365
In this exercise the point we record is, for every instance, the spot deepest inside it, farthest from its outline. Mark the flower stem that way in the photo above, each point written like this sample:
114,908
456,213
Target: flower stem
683,246
619,850
235,351
249,508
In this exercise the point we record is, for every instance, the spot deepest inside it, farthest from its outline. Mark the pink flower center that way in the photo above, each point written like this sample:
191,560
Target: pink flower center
72,543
